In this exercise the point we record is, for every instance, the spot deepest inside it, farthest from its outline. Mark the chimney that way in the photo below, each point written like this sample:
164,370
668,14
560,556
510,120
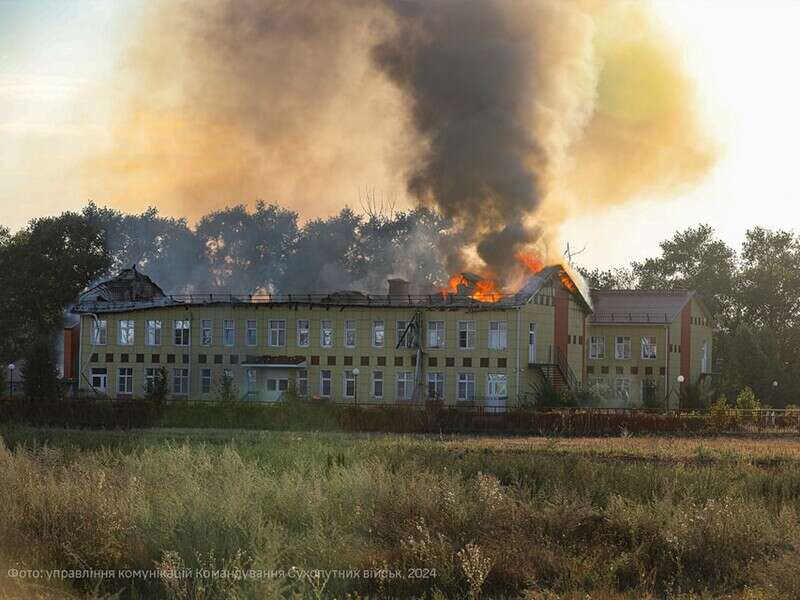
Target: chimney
399,287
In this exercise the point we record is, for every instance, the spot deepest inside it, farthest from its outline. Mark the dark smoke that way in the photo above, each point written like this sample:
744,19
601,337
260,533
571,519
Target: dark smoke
467,71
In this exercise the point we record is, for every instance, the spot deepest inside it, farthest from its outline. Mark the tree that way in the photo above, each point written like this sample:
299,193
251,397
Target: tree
158,390
39,371
42,269
613,279
227,390
693,259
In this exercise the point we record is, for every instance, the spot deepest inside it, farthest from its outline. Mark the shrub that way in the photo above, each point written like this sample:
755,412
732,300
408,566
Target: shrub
747,400
227,390
39,371
158,390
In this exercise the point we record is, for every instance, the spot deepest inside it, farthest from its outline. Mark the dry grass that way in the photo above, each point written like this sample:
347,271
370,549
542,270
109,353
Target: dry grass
495,517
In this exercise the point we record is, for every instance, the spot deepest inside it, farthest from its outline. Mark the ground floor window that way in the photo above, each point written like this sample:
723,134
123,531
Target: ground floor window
100,379
622,389
349,384
405,385
648,393
496,385
125,380
180,382
325,383
302,383
277,385
435,386
466,387
377,384
205,381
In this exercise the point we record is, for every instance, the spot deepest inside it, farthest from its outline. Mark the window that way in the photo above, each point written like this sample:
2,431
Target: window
303,333
350,334
180,382
408,340
302,383
205,332
597,385
100,378
597,347
378,330
648,392
99,332
182,332
622,389
466,335
349,384
436,385
435,334
125,380
704,357
251,333
377,384
497,335
228,332
153,333
326,334
205,381
466,387
622,348
251,382
325,383
277,385
126,329
277,332
648,347
496,385
405,385
150,375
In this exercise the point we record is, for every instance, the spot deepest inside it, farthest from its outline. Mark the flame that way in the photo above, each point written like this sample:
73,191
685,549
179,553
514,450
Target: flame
567,281
483,290
530,262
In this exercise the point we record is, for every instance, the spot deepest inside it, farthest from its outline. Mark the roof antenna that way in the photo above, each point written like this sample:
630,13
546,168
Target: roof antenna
570,254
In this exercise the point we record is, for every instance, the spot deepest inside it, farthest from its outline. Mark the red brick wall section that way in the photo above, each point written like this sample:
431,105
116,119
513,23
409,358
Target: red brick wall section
561,328
686,341
72,337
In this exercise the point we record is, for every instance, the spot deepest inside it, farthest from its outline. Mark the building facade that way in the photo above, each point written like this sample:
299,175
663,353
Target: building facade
342,347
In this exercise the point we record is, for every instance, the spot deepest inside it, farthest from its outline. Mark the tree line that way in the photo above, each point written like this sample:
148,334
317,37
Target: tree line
753,291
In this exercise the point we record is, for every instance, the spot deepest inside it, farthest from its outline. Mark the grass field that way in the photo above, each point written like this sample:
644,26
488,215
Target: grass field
226,514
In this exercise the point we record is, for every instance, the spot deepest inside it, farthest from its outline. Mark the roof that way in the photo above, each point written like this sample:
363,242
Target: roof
129,292
269,360
639,306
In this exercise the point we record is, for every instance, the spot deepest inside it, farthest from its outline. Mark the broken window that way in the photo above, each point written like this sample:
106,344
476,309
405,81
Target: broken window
326,333
303,333
126,331
622,348
378,330
153,333
350,334
182,332
648,347
597,347
99,332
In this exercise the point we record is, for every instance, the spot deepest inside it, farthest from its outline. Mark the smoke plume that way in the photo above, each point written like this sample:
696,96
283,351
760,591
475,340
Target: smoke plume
506,116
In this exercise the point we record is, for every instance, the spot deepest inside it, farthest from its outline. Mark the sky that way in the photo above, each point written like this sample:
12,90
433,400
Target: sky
58,58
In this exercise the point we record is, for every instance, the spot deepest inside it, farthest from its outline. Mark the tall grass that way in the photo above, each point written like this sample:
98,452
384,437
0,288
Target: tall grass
492,523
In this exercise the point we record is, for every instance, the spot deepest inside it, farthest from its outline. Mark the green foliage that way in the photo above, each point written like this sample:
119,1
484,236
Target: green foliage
747,400
696,396
39,371
158,390
227,390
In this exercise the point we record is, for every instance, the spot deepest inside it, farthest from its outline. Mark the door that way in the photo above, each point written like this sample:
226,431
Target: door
277,384
532,343
496,392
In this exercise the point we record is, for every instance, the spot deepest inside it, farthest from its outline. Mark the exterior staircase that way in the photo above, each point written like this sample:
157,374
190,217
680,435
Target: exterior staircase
556,370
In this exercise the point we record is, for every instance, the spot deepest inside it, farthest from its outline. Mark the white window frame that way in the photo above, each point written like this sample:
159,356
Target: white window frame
436,379
350,333
125,376
206,380
465,382
152,334
277,333
642,383
597,347
301,387
181,332
406,378
129,327
251,332
620,347
649,342
348,378
303,330
377,377
228,333
180,379
326,333
468,329
498,335
251,381
400,327
206,332
323,378
436,334
498,381
99,332
704,357
101,373
378,333
620,390
150,374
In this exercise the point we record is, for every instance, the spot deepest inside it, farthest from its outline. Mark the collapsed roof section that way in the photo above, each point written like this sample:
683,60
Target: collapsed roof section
131,290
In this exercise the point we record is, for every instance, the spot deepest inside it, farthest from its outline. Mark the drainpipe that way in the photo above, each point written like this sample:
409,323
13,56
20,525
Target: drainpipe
667,380
91,345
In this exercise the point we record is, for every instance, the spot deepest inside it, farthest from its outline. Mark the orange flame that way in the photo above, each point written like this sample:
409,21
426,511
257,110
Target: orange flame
530,262
483,290
565,279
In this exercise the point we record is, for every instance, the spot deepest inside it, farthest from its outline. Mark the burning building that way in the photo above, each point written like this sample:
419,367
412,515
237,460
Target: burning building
470,344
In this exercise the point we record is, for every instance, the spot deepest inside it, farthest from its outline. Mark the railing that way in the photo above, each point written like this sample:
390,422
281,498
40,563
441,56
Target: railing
561,360
631,317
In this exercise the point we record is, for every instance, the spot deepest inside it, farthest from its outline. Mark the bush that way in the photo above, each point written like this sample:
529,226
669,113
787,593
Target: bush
227,390
747,400
39,371
158,390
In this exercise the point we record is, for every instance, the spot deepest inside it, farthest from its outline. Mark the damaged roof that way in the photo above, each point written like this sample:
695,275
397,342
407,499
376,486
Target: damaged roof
129,285
639,306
